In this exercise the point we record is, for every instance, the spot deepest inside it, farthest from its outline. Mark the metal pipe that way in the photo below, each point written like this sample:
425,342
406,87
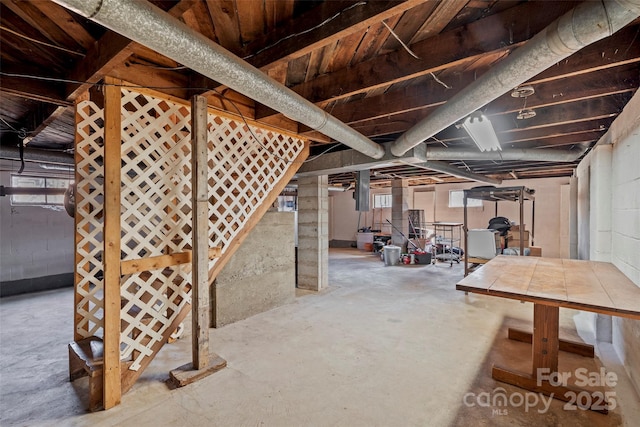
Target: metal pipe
148,25
452,170
585,24
520,154
36,155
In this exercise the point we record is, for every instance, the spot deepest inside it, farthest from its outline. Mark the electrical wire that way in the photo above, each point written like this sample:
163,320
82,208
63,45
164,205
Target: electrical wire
129,86
308,30
41,42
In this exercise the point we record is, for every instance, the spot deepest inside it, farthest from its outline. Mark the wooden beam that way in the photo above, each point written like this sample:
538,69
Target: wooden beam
106,54
200,233
111,252
439,19
32,89
460,45
161,261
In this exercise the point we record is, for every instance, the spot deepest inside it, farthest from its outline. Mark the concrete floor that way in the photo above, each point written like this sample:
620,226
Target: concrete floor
386,346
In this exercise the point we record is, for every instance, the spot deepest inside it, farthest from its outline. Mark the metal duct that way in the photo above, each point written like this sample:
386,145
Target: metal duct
511,155
452,170
37,156
146,24
585,24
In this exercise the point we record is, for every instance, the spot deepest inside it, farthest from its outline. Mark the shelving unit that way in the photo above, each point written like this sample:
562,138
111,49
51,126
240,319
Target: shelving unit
494,194
448,234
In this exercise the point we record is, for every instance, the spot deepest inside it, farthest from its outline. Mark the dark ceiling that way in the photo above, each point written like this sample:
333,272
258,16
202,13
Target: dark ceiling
344,56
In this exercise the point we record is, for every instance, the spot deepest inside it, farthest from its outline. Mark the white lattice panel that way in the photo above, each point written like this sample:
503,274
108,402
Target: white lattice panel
242,173
156,206
89,225
156,216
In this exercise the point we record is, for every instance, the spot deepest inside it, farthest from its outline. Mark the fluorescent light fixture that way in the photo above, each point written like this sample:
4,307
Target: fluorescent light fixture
481,131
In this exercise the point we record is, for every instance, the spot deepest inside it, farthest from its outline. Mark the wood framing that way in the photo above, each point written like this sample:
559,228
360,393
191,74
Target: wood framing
112,159
200,232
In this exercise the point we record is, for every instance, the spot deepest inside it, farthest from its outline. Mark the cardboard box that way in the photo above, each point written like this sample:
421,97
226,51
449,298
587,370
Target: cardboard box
515,228
535,251
513,239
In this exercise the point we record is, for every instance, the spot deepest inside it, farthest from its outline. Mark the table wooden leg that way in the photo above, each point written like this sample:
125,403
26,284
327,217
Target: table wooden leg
546,344
546,322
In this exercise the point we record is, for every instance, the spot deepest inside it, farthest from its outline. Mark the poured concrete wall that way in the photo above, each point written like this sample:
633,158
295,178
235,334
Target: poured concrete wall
36,247
261,274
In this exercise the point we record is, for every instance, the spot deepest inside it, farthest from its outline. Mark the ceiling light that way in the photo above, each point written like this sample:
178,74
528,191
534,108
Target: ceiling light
523,91
481,131
526,114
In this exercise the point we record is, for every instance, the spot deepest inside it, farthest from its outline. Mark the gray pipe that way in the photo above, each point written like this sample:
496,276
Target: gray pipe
520,154
146,24
452,170
585,24
37,156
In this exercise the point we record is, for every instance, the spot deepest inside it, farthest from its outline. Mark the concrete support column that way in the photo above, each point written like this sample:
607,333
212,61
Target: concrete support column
399,210
313,232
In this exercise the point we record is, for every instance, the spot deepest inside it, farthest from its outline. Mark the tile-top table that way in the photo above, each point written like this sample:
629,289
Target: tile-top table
551,283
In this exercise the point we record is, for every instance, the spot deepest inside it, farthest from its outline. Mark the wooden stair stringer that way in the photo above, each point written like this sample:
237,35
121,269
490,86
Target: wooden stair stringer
129,377
235,244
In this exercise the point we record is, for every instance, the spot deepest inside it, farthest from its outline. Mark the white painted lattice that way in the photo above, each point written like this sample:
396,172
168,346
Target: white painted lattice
156,217
156,212
242,173
89,197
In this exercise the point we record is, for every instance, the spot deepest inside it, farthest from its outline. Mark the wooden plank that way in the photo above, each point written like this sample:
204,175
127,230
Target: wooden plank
199,19
200,232
623,293
279,47
162,261
439,19
568,346
223,15
583,286
185,375
111,253
548,280
251,18
407,25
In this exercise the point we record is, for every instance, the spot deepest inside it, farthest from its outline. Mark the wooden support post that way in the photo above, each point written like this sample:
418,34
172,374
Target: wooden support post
200,232
204,363
111,254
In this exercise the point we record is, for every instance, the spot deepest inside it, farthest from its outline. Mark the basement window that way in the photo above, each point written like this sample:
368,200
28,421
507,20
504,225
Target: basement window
456,200
38,182
381,201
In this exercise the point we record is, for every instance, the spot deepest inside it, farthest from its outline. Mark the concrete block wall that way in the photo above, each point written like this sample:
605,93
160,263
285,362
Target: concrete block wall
36,243
261,274
625,240
612,221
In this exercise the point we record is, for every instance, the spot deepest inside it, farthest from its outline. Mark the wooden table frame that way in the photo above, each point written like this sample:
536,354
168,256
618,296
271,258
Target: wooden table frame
550,284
